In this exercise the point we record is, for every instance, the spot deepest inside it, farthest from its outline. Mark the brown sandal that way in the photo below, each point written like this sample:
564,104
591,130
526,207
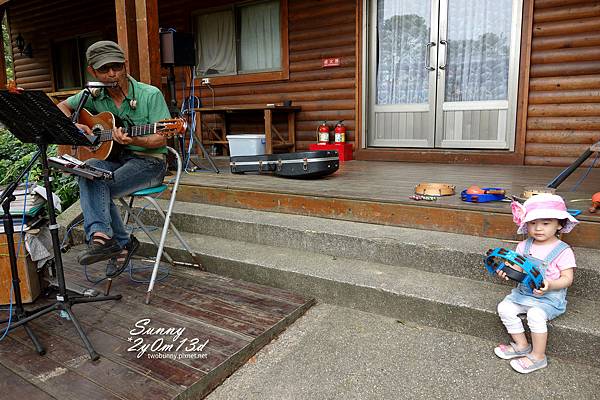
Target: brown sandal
119,263
99,249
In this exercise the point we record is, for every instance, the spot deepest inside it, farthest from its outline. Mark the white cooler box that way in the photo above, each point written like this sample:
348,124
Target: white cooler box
246,145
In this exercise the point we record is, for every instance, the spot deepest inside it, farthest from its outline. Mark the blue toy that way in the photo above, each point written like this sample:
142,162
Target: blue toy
532,275
489,194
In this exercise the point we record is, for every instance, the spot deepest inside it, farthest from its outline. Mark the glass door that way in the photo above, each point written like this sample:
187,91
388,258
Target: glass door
477,73
443,73
403,47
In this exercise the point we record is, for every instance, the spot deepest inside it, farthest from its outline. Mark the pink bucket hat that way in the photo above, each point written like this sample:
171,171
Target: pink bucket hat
542,206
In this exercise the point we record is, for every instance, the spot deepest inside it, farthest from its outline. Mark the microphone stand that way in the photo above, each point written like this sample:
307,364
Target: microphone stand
85,96
46,125
174,111
20,314
93,139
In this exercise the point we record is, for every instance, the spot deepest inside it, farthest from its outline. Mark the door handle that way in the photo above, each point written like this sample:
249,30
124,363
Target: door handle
428,47
445,43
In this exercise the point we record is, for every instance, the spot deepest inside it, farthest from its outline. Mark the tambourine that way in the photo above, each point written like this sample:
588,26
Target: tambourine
531,191
434,189
532,276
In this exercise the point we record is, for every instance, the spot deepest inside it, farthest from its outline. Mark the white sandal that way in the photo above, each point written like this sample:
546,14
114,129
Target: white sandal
518,366
509,351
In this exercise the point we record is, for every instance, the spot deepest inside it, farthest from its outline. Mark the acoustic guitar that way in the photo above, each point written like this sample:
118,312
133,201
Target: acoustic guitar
101,125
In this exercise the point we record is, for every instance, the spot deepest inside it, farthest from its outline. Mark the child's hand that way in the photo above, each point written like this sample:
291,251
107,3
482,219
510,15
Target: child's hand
502,274
543,289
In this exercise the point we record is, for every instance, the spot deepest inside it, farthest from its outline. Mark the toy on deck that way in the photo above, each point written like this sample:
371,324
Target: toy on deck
419,197
504,259
475,194
595,202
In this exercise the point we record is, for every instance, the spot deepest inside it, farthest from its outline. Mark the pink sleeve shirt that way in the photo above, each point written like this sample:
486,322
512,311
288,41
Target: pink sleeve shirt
565,260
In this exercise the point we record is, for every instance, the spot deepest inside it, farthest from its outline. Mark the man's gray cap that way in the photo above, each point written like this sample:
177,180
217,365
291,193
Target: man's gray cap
104,52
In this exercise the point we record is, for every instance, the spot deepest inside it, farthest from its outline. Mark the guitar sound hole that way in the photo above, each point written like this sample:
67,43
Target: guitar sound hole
96,131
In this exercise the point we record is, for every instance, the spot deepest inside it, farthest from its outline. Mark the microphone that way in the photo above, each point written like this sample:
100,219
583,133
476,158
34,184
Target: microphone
91,85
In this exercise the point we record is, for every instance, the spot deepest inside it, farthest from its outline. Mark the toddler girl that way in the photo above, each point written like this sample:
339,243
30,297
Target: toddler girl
541,217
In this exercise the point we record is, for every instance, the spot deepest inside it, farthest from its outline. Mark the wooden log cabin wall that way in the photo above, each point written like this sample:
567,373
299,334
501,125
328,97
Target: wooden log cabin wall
564,87
559,104
40,23
317,29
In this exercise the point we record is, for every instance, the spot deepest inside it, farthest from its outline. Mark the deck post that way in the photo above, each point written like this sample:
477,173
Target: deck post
127,34
148,41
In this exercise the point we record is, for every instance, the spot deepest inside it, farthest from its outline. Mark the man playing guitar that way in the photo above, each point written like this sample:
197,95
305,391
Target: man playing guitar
142,164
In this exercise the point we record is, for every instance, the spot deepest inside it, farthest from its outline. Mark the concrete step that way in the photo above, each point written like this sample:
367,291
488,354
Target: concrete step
441,252
338,353
443,301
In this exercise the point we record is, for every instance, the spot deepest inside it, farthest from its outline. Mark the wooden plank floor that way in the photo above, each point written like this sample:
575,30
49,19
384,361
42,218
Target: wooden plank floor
394,182
379,193
234,318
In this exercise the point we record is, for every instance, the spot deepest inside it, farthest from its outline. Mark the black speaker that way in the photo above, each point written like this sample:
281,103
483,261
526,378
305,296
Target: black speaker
177,48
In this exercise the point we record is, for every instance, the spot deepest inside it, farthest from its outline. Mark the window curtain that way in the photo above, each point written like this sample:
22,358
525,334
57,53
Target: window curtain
215,37
260,41
66,65
403,29
478,50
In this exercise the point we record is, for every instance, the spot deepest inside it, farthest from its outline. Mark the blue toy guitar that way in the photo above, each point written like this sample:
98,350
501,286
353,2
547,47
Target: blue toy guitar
503,259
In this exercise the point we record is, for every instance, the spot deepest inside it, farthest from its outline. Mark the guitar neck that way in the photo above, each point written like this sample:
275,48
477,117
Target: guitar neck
138,130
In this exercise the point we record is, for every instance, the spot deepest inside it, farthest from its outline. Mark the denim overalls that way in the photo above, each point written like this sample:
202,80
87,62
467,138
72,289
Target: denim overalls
554,302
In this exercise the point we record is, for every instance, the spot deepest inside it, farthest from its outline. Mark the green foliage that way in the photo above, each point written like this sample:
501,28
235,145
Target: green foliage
14,157
7,51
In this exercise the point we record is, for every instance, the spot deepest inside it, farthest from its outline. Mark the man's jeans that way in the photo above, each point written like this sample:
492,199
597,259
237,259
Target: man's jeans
131,173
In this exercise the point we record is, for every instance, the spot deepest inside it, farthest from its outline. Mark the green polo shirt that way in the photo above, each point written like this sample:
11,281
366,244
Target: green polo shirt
151,107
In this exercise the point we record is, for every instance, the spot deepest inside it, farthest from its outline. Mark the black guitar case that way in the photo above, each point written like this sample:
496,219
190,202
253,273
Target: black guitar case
304,164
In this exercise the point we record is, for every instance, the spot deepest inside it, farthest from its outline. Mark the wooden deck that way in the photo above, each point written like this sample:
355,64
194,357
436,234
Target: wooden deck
378,192
235,318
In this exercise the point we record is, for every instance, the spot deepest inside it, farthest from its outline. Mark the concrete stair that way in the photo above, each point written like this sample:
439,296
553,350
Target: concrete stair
339,353
424,277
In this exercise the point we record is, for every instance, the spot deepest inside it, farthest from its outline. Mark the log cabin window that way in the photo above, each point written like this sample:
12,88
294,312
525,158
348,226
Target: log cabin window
69,63
243,40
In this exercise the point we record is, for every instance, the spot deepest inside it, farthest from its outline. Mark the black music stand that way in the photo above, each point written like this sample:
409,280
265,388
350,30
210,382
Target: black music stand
33,118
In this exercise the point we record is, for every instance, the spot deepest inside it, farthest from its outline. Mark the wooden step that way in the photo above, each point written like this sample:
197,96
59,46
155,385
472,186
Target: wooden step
494,221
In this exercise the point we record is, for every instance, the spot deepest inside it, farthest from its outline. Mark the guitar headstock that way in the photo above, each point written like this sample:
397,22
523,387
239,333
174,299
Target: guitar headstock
171,127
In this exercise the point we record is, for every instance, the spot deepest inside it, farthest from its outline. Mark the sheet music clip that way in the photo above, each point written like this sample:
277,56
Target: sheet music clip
72,159
72,165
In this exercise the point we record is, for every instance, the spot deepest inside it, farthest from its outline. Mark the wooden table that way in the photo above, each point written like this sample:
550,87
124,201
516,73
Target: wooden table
274,139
